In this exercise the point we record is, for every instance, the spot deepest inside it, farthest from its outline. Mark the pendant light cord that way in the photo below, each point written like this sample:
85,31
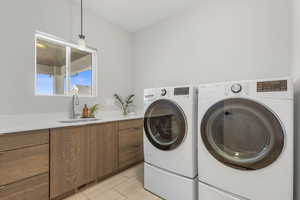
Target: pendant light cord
81,35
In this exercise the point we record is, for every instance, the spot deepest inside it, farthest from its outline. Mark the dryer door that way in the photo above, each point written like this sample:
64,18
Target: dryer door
165,124
242,134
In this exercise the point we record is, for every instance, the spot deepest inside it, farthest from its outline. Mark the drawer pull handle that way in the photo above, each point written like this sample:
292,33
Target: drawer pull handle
2,187
1,154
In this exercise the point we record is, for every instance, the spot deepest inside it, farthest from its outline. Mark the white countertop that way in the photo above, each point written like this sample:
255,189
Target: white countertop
30,122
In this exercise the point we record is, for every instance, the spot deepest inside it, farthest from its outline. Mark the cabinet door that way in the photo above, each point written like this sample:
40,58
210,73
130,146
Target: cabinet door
130,143
140,131
71,159
106,148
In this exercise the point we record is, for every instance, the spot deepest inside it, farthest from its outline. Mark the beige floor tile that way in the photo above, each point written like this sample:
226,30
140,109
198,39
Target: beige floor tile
106,184
77,197
136,171
105,195
129,187
142,195
140,178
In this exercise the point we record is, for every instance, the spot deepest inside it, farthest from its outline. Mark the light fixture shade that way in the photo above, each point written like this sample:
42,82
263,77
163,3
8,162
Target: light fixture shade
81,42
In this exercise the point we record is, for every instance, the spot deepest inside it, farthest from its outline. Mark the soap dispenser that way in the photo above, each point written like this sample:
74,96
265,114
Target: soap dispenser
85,111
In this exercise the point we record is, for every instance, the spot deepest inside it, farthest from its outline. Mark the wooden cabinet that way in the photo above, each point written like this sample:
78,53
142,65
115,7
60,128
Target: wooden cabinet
71,159
130,142
106,148
141,142
24,166
20,164
82,154
24,139
78,155
35,188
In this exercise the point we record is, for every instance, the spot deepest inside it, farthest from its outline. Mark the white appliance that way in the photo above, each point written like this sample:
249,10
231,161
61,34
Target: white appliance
170,142
245,146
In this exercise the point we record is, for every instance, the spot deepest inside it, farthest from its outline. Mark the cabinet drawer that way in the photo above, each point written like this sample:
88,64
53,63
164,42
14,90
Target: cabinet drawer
128,140
24,139
130,147
20,164
131,124
35,188
127,159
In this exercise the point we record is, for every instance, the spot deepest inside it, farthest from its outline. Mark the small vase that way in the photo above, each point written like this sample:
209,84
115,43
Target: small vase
92,115
125,110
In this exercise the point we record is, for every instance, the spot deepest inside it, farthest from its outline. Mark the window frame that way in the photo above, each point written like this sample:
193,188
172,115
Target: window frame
68,46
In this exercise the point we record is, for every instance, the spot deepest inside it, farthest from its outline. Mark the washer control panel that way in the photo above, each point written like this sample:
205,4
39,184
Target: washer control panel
236,88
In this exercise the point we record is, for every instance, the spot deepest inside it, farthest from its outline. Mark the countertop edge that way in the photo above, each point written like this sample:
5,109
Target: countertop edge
55,124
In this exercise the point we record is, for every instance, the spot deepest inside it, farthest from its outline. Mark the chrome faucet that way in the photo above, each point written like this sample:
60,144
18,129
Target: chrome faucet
75,105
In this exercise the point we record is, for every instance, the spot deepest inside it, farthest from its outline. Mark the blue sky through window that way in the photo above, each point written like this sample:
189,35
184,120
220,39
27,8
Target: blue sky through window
82,78
44,84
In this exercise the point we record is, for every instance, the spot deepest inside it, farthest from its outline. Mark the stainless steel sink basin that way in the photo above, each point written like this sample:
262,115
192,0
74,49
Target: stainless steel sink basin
69,121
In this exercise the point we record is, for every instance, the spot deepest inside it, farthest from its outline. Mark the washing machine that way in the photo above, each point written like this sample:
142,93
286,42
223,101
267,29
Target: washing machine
170,142
245,141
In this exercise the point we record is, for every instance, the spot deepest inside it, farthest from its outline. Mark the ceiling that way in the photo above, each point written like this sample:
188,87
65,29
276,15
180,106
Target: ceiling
54,55
134,15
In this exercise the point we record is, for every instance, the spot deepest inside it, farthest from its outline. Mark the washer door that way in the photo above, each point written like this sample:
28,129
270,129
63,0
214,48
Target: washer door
242,134
165,124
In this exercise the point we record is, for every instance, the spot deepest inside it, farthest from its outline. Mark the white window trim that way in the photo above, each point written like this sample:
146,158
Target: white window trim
68,45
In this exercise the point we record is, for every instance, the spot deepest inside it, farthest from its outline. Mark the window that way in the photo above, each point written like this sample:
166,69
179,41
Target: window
62,67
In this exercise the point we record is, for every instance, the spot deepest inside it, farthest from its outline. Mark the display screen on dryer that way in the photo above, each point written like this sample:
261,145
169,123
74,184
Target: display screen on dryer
272,86
182,91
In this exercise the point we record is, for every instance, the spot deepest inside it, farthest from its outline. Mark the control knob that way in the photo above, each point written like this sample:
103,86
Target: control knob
163,92
236,88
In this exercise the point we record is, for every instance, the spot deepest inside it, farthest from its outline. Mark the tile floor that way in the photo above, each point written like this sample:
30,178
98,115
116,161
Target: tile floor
127,185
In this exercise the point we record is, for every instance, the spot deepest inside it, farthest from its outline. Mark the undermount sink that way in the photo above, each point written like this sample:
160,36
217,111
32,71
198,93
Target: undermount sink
79,120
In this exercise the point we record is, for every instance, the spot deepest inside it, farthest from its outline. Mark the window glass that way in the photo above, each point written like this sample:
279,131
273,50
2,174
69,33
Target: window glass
62,66
44,84
51,68
242,134
81,71
165,124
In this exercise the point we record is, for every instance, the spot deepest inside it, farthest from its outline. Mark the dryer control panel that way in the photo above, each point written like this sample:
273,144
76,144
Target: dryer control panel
272,86
181,91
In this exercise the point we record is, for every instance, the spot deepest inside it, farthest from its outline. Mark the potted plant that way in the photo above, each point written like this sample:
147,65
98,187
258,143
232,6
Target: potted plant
93,110
125,104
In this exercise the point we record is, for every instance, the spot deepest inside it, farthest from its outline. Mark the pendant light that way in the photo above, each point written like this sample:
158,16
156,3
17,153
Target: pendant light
81,41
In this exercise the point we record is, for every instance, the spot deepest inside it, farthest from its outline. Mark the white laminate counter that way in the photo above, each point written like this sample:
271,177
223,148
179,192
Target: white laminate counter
30,122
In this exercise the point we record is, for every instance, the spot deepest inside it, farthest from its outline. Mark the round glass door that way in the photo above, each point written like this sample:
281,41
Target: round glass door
165,124
242,134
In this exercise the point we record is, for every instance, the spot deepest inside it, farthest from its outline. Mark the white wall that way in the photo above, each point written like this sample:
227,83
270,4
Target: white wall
223,40
296,75
20,19
217,40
